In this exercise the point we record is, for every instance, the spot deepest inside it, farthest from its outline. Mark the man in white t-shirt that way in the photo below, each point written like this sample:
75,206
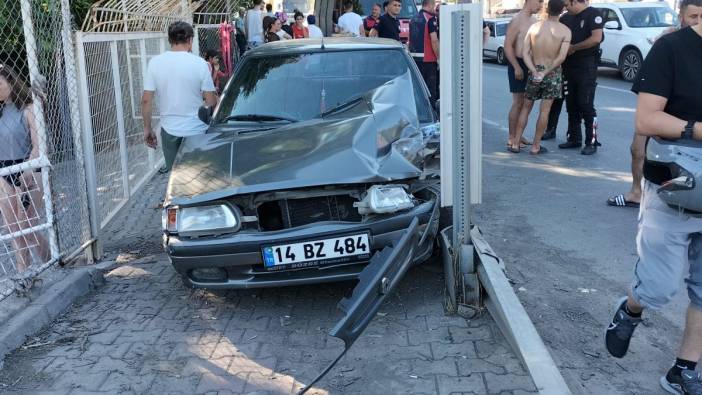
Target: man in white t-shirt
351,22
254,25
315,31
180,80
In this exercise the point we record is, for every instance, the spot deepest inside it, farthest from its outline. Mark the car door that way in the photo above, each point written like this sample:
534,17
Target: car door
612,44
500,33
489,49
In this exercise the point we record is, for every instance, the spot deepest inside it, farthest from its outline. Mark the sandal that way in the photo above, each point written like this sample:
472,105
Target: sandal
620,201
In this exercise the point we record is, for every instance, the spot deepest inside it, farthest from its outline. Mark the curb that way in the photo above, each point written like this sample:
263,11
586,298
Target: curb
50,305
514,322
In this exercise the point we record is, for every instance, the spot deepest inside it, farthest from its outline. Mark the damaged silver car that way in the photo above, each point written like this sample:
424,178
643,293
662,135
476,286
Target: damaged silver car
320,156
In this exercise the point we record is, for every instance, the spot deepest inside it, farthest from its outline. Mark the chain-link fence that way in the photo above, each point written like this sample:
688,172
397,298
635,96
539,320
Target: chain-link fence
43,210
71,130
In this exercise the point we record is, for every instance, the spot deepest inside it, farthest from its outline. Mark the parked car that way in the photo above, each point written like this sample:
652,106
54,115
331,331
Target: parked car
494,48
629,32
315,161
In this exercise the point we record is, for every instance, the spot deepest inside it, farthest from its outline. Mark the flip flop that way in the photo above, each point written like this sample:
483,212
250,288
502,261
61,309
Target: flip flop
620,201
542,150
521,145
513,150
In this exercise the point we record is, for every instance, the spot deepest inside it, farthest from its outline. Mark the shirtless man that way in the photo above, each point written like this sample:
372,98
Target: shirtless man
690,15
545,47
516,69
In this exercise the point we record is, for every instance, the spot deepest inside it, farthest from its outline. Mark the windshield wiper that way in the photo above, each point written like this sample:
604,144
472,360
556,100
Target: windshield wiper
258,118
342,106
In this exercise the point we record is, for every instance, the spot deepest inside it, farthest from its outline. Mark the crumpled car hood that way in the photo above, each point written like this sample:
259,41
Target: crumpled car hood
351,146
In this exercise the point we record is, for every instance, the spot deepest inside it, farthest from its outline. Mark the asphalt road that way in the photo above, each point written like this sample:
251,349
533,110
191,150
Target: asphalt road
570,255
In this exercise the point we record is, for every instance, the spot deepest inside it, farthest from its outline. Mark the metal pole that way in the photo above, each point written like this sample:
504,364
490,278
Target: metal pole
144,65
124,16
464,102
70,63
119,112
89,151
196,41
35,78
460,57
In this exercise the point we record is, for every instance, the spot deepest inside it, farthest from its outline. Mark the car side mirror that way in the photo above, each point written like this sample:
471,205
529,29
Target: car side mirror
205,114
613,25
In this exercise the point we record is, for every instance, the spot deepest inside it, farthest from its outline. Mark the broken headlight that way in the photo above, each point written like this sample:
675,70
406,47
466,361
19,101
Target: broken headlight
381,199
411,148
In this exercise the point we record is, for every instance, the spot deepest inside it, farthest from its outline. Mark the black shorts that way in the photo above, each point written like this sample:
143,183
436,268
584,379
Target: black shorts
515,85
14,178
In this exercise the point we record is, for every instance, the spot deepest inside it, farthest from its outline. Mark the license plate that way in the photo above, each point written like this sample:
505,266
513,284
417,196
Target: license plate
317,252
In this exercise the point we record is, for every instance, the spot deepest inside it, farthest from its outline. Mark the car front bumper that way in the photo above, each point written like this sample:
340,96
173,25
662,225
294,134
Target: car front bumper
238,257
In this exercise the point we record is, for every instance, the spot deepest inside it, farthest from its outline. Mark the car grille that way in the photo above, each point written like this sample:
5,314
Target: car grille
288,213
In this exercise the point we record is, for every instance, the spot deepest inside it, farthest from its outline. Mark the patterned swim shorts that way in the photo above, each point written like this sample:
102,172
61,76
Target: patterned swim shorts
549,88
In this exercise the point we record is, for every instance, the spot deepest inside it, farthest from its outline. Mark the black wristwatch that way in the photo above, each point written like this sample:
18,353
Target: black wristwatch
689,131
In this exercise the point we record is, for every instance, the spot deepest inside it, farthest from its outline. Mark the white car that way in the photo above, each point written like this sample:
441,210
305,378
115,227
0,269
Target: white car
629,32
495,46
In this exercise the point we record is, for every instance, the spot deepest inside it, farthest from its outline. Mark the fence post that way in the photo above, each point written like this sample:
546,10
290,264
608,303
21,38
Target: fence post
196,41
144,66
89,149
36,78
119,110
70,74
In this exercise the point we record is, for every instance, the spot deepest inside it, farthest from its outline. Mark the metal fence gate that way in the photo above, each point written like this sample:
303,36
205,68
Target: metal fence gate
111,67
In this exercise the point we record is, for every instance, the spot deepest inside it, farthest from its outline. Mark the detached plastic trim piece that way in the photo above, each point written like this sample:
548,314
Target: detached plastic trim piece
375,283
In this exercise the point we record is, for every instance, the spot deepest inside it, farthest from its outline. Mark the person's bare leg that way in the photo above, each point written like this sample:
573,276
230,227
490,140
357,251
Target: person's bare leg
638,153
691,347
632,305
513,117
541,124
522,123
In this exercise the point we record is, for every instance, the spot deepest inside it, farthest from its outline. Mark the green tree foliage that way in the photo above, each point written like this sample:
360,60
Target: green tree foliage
47,24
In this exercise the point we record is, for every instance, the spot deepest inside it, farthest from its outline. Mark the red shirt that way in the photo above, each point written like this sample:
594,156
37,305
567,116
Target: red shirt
430,27
300,32
369,23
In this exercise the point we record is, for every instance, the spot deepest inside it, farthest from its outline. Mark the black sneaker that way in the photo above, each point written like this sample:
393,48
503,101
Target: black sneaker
570,144
588,150
687,382
619,331
549,135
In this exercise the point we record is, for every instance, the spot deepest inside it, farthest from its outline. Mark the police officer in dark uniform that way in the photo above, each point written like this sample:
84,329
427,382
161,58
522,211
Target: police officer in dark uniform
580,70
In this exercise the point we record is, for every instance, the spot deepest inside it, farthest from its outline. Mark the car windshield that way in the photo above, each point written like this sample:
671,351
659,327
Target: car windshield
409,8
299,87
649,17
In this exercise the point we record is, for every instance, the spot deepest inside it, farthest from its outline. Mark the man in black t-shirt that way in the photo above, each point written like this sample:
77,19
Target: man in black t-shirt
388,25
669,106
690,12
580,73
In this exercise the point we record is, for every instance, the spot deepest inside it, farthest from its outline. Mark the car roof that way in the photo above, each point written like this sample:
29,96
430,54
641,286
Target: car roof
637,4
331,43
